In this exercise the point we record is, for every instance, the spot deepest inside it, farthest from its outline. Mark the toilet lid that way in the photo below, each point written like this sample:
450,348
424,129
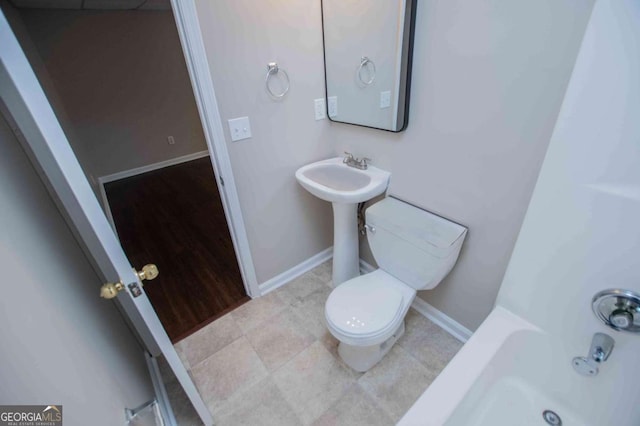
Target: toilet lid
363,306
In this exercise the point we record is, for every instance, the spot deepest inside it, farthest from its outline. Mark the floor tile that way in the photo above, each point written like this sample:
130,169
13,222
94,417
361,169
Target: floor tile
228,371
324,271
182,356
310,311
208,340
427,342
296,290
312,382
257,311
272,361
331,344
396,382
262,404
355,408
279,339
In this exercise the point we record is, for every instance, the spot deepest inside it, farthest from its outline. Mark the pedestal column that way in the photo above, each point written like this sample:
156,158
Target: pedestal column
346,252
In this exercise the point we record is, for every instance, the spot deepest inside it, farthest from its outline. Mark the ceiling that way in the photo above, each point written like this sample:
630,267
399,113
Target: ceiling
93,4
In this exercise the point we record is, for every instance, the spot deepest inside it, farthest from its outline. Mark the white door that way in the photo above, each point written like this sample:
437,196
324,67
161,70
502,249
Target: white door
27,104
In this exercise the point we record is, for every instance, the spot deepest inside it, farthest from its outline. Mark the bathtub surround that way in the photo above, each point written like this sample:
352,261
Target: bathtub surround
590,177
589,241
488,80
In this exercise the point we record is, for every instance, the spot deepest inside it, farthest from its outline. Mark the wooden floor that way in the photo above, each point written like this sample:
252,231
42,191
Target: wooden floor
173,217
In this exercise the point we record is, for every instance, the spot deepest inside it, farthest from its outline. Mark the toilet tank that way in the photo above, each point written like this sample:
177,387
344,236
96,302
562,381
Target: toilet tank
415,246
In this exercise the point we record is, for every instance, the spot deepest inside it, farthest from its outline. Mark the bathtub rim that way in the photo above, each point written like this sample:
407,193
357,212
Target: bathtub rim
444,395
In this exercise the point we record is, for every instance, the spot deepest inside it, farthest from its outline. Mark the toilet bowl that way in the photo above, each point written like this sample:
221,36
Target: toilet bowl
415,250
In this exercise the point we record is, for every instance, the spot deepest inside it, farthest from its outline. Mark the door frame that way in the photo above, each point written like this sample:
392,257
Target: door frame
188,25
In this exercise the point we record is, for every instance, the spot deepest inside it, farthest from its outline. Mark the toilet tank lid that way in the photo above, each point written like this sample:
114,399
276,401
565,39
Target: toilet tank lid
414,224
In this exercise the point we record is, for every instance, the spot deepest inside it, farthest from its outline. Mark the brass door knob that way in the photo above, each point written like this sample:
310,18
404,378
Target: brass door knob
148,272
111,290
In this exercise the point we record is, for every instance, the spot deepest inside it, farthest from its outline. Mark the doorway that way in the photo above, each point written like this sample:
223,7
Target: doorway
173,217
120,88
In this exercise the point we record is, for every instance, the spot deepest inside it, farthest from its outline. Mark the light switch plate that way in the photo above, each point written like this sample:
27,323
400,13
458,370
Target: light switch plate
240,128
333,106
320,109
385,99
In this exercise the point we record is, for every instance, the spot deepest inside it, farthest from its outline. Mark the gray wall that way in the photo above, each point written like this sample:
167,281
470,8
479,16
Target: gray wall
62,344
487,85
488,80
285,224
122,82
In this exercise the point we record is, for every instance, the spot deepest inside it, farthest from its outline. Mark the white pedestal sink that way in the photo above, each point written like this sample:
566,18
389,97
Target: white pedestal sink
344,186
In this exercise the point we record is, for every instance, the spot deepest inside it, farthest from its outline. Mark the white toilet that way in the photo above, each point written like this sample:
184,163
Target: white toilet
415,250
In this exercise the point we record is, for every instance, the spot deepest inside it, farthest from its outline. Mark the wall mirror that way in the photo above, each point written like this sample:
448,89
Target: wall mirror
367,58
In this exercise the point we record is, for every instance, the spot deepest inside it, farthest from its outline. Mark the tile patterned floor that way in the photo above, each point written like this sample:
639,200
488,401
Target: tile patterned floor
272,362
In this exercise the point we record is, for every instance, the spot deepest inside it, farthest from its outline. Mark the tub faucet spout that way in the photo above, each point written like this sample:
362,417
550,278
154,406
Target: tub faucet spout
601,347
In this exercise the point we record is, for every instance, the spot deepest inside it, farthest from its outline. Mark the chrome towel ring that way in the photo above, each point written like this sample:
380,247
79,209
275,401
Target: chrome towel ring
273,69
369,65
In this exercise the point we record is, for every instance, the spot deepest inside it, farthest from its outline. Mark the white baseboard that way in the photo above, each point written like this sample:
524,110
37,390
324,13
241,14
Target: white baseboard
296,271
441,319
436,316
365,267
150,167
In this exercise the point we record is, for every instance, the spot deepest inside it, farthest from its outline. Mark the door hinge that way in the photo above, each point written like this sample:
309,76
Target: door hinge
221,181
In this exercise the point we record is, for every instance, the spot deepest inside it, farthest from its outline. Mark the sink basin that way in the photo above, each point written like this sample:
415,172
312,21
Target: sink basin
332,180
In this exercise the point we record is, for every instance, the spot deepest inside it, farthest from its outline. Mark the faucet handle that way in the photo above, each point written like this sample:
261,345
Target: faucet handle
349,156
362,164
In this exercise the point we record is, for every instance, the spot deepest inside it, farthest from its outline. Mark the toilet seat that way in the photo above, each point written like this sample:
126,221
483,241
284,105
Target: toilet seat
368,309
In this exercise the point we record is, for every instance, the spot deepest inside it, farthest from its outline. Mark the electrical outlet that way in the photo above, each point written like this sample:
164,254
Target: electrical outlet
240,128
320,109
385,99
171,140
333,106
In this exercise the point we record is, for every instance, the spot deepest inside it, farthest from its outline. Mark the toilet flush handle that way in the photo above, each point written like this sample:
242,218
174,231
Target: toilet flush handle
370,228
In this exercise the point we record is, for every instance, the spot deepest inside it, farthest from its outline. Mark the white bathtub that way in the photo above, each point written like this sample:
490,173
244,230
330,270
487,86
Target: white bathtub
509,372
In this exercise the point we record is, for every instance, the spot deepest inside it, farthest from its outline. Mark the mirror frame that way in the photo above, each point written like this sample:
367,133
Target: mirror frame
406,69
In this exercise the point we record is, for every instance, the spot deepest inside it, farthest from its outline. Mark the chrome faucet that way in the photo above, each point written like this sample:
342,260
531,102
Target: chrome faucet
358,163
601,347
